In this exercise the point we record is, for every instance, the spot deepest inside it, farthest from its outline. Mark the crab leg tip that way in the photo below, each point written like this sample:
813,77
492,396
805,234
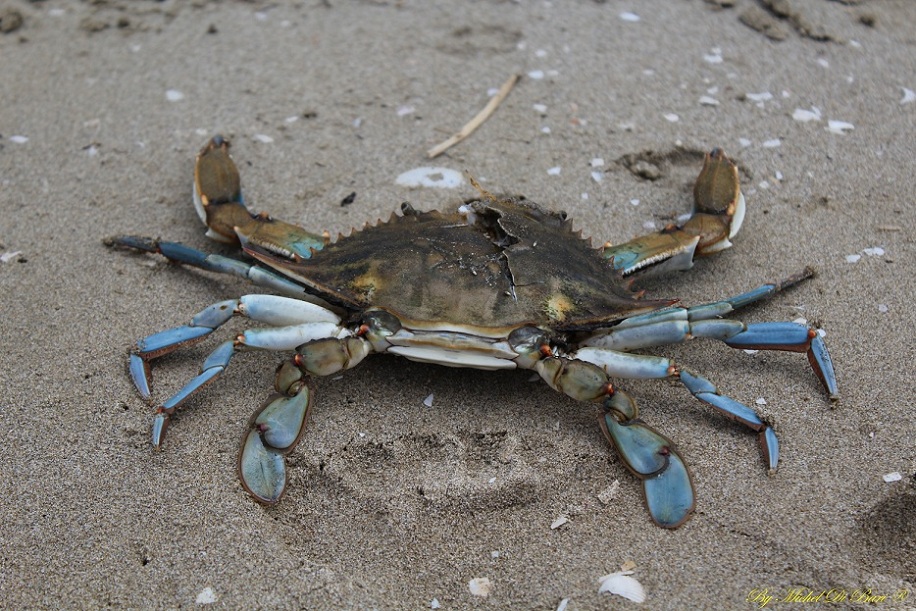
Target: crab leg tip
160,424
823,366
769,445
140,375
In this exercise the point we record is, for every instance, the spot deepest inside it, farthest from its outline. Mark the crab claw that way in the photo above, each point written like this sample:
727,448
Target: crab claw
718,212
652,458
719,205
218,191
275,431
220,205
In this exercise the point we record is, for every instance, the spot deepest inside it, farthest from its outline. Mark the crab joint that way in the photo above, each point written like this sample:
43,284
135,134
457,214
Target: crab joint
621,405
328,356
580,380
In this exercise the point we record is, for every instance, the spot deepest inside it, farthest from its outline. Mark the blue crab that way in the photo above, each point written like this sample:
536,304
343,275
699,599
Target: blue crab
500,283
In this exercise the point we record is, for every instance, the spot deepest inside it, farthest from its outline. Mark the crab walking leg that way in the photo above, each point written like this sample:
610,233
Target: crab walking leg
280,338
673,325
268,309
648,454
716,309
638,366
186,255
718,212
277,426
297,322
677,325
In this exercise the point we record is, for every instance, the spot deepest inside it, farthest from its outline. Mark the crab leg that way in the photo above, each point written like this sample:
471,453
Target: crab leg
186,255
716,309
296,322
649,455
220,205
717,216
677,325
667,486
323,345
638,366
269,309
277,426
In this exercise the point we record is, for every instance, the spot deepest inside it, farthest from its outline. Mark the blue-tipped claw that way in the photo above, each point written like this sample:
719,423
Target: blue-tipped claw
261,470
669,495
282,419
160,424
666,481
769,445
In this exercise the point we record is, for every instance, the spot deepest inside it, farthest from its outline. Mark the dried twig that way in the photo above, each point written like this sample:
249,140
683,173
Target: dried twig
477,121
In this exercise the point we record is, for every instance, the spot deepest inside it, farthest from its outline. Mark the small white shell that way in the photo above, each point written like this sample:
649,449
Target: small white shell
839,127
608,494
560,521
443,178
207,596
480,586
892,477
804,115
764,96
622,584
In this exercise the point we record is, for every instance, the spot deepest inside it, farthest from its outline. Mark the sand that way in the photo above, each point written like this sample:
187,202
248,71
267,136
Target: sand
394,504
